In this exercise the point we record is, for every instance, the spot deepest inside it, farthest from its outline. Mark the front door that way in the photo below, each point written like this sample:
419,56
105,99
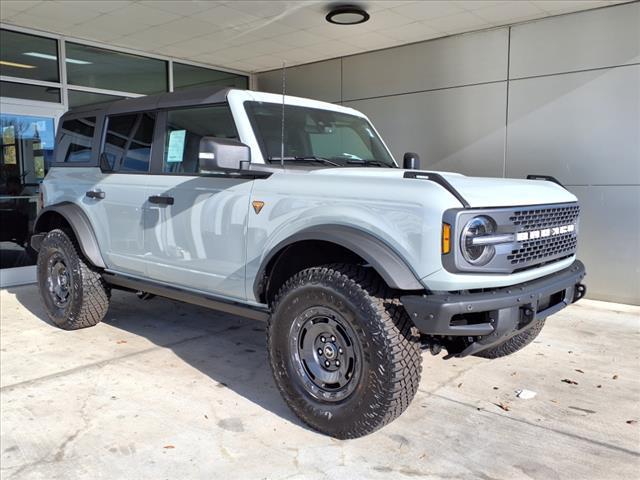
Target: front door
195,231
27,135
195,225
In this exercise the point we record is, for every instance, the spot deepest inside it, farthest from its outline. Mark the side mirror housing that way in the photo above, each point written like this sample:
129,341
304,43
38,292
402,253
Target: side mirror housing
411,161
217,154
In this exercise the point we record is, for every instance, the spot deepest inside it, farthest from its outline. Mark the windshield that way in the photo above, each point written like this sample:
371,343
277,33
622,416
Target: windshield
310,134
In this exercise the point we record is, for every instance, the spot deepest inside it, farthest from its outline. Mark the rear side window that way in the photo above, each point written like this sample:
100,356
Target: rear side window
127,145
185,129
76,139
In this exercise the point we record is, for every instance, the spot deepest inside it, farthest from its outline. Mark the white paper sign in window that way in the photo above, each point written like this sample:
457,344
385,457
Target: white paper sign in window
175,150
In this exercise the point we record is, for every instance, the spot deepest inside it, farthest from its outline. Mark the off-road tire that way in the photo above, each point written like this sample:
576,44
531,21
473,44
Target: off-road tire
88,294
515,343
391,363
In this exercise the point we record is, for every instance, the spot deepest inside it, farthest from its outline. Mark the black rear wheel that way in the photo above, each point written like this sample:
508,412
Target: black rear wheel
343,351
73,293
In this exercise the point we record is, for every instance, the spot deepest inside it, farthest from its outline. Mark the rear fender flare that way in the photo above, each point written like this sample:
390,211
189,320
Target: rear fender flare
80,225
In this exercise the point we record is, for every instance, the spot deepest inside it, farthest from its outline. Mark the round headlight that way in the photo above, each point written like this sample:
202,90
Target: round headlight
477,254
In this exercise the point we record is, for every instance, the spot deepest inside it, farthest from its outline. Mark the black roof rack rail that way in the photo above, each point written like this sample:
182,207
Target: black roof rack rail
548,178
440,180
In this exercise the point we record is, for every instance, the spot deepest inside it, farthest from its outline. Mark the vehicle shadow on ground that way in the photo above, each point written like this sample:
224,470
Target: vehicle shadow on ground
228,349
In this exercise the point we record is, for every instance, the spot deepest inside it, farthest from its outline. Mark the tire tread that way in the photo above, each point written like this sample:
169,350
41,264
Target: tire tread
515,343
398,344
95,293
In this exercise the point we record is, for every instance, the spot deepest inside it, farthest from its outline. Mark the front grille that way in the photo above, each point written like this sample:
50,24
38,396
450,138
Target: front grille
530,236
545,217
533,252
539,250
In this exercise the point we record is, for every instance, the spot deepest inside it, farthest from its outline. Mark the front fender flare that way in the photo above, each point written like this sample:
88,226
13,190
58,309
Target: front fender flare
388,263
80,225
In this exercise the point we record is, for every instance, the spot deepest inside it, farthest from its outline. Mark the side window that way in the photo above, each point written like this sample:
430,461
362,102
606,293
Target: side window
185,128
127,144
76,139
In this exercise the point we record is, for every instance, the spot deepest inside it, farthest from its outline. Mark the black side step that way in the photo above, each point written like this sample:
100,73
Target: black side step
440,180
548,178
201,299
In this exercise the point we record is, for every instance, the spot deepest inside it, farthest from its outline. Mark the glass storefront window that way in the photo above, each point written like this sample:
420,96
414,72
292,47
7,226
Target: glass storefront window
26,152
81,99
29,56
189,76
89,66
29,92
31,67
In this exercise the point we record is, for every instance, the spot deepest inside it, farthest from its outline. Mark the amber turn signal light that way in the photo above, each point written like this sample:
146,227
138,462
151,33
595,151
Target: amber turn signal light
446,238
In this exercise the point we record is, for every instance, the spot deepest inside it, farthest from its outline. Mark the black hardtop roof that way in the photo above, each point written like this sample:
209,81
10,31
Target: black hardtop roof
185,98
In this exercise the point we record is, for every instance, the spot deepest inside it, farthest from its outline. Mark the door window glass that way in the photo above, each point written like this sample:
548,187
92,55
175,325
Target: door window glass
76,139
185,129
25,154
127,146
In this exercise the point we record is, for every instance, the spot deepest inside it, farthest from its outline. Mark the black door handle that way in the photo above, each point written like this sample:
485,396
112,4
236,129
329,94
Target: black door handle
98,194
161,200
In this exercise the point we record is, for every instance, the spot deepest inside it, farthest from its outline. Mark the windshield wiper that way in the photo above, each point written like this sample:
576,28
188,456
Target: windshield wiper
361,161
309,158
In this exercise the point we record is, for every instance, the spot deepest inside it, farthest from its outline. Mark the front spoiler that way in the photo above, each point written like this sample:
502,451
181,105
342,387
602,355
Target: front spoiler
495,315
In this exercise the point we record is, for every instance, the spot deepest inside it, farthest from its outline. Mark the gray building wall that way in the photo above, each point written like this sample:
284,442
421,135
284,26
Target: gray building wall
558,96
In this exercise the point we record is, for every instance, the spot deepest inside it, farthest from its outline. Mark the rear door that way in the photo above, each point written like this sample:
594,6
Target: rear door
118,198
195,224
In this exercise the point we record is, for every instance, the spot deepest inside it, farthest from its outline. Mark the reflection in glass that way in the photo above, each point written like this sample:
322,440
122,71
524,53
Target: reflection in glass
189,76
76,137
28,56
185,129
81,99
29,92
128,141
100,68
27,150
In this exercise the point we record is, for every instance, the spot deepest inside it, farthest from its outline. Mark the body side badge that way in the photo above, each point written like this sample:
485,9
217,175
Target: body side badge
257,206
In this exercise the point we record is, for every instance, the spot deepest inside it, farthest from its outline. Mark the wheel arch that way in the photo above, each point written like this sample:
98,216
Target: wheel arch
323,244
67,214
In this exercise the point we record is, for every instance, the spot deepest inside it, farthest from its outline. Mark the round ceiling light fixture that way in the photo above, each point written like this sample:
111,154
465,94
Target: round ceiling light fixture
347,15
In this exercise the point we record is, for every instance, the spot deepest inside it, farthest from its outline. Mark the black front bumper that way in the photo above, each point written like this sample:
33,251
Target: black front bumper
491,317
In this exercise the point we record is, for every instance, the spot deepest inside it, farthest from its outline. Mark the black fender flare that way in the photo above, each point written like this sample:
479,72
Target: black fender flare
80,225
387,262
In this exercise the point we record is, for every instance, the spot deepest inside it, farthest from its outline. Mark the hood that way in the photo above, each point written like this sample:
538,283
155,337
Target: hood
477,191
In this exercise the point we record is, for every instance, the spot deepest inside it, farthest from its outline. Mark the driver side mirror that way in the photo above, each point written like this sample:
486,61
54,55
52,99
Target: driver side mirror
411,161
217,154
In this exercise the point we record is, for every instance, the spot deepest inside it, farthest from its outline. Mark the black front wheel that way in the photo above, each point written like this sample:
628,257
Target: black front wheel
515,343
343,351
73,292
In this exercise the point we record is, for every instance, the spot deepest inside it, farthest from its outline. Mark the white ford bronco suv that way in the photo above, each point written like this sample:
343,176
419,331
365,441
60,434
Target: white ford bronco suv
293,211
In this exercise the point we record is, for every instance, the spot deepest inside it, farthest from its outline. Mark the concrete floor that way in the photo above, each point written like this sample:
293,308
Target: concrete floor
166,390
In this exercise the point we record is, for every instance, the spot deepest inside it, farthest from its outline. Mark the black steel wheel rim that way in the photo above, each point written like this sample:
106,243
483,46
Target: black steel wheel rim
326,354
58,280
